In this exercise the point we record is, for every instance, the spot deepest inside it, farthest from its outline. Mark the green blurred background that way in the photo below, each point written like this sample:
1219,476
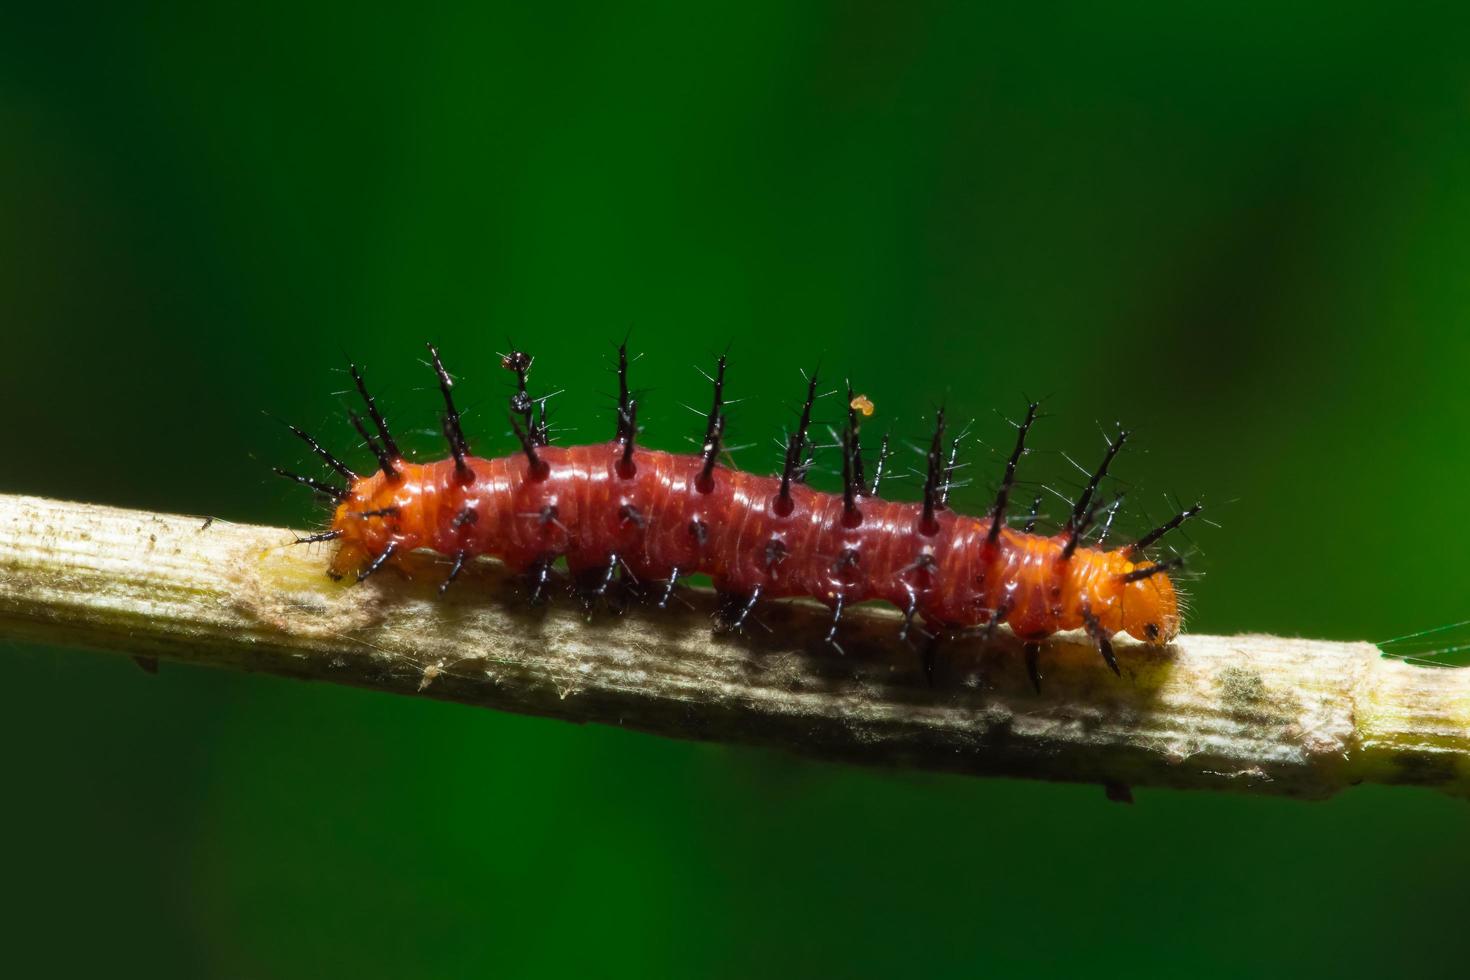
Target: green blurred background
1243,229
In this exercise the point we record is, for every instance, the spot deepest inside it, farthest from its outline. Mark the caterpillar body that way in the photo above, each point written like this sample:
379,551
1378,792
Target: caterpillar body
659,516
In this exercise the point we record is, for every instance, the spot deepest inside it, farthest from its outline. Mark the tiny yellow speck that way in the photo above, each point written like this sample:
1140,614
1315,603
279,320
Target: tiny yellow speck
861,404
1128,567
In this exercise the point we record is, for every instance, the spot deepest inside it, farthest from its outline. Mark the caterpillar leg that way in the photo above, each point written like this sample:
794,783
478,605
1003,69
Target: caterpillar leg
538,576
349,560
663,602
929,653
997,616
378,561
606,584
831,638
736,609
593,583
1032,651
460,557
909,612
1102,639
628,590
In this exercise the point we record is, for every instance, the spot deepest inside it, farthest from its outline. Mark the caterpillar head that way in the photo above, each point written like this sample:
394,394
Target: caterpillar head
373,517
1150,606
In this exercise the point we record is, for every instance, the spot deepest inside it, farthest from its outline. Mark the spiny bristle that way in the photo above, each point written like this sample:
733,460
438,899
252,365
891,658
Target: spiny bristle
528,446
934,476
793,470
325,489
1008,480
332,461
453,432
1138,546
1139,574
385,459
389,445
1084,513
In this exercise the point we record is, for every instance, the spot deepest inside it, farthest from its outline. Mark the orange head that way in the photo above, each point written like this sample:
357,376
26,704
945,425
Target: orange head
376,514
1148,606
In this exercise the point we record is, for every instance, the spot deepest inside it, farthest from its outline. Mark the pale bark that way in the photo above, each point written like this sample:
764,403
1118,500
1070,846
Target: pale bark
1253,713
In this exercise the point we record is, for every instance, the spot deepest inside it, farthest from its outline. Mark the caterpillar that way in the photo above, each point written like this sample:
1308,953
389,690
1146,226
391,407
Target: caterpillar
659,517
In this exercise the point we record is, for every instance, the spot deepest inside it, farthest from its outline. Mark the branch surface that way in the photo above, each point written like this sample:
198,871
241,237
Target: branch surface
1253,713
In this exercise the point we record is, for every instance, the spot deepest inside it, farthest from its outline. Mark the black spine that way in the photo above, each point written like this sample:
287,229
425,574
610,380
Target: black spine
716,421
520,402
1107,524
793,470
625,465
1008,481
1138,575
1083,512
1138,546
372,407
320,536
528,446
1034,513
934,478
332,461
858,477
385,460
624,433
541,431
453,430
710,453
949,470
878,466
325,489
1075,539
714,430
852,480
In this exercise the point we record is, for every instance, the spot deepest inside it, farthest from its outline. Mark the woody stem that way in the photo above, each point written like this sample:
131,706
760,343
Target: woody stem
1250,713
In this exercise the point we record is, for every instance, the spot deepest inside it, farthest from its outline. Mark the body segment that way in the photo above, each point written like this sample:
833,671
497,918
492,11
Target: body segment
657,519
612,508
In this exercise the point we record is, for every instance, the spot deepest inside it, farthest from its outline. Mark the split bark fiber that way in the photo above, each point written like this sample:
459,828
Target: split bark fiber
1253,713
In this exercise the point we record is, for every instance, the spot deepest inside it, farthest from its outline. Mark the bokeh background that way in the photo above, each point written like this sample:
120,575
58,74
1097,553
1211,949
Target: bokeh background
1241,228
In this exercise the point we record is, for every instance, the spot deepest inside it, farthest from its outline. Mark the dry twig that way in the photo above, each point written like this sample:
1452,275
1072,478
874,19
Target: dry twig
1258,713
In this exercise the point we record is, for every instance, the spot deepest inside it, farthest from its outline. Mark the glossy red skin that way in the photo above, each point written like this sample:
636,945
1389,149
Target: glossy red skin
646,514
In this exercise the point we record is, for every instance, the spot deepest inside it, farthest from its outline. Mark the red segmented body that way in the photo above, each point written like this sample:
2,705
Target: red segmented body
662,516
658,519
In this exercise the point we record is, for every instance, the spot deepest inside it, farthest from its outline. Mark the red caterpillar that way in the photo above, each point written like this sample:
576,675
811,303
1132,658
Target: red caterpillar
661,516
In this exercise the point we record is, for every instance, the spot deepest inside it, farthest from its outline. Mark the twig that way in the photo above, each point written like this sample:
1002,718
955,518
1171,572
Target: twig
1257,713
